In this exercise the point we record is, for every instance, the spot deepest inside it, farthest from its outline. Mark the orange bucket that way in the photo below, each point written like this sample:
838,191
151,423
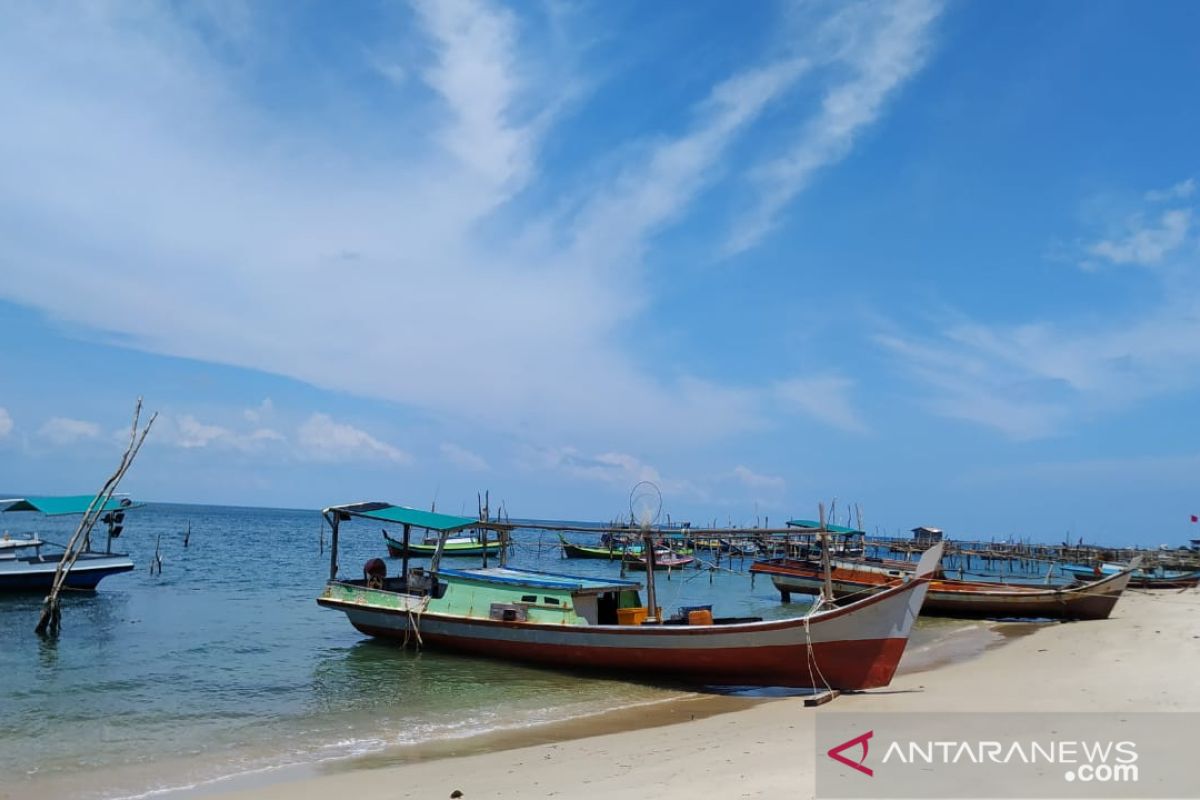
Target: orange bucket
701,617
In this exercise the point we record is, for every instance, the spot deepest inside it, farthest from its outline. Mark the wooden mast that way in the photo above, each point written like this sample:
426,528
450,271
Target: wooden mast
827,587
648,554
333,517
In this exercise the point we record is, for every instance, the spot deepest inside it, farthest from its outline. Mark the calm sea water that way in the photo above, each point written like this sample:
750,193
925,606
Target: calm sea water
225,664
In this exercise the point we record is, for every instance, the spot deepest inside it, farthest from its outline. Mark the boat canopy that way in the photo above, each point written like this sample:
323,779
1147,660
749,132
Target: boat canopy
403,515
815,525
58,506
539,579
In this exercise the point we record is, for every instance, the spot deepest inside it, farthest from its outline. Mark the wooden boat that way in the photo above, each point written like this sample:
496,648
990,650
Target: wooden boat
628,551
459,546
1141,579
614,553
951,598
587,624
663,560
25,566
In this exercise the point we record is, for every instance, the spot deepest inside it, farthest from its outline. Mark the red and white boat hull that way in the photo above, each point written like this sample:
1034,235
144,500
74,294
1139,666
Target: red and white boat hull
857,646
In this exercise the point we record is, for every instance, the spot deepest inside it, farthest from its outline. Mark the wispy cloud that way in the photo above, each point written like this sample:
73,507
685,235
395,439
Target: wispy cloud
754,480
825,398
63,430
325,439
463,458
1180,191
1041,378
188,432
6,422
429,194
475,74
1146,243
877,47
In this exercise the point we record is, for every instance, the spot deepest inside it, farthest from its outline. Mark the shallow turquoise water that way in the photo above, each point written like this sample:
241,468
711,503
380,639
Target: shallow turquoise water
225,663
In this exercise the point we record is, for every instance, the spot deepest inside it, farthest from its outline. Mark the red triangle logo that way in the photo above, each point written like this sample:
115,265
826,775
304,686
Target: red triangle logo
836,753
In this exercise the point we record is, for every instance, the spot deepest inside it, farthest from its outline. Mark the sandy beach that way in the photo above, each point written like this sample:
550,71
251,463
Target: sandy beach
1134,661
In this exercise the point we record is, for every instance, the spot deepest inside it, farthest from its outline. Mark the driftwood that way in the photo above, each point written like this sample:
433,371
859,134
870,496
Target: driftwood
51,611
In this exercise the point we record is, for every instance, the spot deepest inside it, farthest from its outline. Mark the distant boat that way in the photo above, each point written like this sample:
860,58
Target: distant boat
25,566
606,553
617,551
457,546
589,624
1141,579
951,598
663,560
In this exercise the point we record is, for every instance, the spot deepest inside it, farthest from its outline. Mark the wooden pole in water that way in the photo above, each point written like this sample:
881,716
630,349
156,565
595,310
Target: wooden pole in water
51,612
334,519
827,588
648,555
404,557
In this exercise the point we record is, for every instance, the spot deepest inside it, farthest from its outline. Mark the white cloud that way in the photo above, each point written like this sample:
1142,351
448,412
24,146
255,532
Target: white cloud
824,398
758,481
63,430
327,440
463,458
1146,244
880,46
475,73
188,432
228,270
1037,379
1180,191
6,423
263,411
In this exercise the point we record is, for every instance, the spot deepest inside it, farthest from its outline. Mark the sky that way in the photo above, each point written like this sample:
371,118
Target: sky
936,261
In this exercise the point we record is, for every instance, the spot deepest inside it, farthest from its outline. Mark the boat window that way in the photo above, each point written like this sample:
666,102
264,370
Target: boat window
553,601
529,598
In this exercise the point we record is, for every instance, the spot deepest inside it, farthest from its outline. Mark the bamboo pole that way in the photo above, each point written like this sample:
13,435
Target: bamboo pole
51,610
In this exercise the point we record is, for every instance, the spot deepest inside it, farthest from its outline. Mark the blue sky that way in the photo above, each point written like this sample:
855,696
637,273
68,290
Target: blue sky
937,260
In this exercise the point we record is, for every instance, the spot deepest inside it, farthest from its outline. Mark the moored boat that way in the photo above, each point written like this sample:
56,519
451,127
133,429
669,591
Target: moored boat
948,597
1141,578
461,546
578,623
664,560
28,564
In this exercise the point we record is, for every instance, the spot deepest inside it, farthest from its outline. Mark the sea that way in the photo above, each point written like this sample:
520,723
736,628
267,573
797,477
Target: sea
221,665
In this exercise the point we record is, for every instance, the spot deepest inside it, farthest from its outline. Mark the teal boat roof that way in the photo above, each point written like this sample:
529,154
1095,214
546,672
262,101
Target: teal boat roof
58,506
403,515
539,579
816,525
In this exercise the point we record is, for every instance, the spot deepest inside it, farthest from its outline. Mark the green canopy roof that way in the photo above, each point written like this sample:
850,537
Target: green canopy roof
815,525
57,506
402,515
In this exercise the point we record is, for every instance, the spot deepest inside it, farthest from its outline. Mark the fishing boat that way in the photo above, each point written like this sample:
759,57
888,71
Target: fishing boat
663,560
613,551
948,597
1158,578
28,563
461,546
589,624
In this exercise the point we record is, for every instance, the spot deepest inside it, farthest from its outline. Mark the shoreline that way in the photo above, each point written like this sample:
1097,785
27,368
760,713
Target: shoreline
1128,662
950,642
959,665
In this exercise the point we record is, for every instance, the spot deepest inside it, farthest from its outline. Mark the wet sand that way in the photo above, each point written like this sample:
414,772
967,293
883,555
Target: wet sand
1144,658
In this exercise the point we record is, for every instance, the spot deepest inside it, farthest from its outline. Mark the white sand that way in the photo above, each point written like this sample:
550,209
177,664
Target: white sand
1145,658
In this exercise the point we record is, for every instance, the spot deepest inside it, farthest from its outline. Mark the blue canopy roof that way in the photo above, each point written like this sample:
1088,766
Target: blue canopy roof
541,580
402,515
816,525
58,506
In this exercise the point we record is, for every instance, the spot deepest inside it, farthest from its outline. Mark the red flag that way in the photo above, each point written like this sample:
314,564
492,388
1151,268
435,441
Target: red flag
1195,518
